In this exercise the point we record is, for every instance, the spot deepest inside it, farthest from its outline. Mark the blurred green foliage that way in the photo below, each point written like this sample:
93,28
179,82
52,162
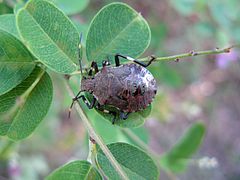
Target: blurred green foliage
177,158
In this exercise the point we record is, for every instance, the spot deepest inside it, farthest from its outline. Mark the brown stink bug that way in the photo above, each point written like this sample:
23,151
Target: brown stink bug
128,88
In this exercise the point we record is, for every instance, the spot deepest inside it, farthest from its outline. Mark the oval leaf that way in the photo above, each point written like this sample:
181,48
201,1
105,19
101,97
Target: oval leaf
136,163
16,62
24,107
71,7
75,170
117,28
177,158
8,24
49,35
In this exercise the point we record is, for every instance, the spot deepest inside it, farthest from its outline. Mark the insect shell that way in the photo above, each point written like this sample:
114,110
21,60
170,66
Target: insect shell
129,87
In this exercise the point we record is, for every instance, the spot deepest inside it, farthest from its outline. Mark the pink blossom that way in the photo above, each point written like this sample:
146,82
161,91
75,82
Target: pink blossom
223,60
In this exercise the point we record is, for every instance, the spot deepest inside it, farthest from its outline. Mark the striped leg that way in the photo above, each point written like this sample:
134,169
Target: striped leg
117,61
106,63
94,67
78,96
89,105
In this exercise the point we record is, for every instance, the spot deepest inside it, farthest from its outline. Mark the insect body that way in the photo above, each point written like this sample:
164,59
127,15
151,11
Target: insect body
128,88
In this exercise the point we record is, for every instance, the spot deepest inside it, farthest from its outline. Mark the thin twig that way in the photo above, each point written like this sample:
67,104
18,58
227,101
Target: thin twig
193,53
180,56
95,136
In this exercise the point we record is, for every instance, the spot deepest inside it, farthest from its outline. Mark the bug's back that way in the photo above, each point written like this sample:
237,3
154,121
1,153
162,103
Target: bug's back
129,87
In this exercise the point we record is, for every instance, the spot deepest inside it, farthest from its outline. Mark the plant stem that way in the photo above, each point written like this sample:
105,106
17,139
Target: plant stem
193,53
95,136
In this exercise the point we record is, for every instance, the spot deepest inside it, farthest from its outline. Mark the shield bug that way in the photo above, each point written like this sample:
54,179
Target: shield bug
128,88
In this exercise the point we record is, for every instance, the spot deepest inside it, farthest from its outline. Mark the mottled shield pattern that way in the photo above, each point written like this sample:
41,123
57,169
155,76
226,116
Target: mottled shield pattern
129,87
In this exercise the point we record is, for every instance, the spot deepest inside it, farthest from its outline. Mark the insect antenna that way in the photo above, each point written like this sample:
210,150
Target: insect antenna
80,53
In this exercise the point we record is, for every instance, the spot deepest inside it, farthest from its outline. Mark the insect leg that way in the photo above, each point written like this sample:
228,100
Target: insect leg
73,100
117,61
105,63
89,105
123,115
93,66
100,108
78,96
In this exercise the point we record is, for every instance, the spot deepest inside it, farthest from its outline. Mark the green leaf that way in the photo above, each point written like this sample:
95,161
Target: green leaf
141,132
25,106
71,7
75,170
8,24
135,162
117,28
16,62
176,159
49,35
108,132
